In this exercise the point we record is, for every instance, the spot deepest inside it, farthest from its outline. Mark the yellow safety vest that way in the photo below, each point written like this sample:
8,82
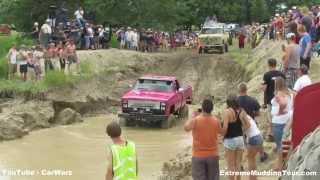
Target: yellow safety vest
124,163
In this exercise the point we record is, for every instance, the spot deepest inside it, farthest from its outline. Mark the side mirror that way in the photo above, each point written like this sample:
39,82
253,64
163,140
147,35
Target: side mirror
180,89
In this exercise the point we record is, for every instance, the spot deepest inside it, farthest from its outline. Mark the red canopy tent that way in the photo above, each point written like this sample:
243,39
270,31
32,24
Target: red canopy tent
306,115
4,29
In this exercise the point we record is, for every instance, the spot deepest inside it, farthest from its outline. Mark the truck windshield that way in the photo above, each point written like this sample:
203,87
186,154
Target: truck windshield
153,85
212,31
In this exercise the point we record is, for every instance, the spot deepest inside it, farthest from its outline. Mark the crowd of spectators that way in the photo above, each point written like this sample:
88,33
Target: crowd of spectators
87,35
36,61
55,44
287,22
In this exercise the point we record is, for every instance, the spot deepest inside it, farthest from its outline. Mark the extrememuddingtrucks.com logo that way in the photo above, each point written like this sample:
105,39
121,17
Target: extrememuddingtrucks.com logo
268,173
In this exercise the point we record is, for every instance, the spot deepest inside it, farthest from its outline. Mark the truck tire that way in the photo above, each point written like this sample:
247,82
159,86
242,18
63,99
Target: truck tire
222,48
122,122
167,123
184,112
230,41
226,48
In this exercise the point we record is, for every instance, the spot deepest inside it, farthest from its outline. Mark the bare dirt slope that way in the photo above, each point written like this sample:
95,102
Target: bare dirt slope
114,70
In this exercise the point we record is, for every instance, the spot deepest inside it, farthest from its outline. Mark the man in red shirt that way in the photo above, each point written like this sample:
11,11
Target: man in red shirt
279,27
205,129
242,38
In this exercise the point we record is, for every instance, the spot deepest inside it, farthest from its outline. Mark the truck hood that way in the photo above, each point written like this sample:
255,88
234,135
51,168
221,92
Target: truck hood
148,95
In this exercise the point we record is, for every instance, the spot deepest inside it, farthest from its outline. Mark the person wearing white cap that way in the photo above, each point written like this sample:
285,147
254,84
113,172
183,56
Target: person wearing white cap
291,60
35,32
45,33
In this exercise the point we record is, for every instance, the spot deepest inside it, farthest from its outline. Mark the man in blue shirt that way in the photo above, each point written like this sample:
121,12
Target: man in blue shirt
305,46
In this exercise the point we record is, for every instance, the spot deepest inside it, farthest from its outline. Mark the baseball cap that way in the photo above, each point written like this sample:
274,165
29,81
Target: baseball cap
290,35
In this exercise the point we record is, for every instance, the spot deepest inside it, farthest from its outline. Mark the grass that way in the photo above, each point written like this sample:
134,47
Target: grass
20,86
239,56
52,79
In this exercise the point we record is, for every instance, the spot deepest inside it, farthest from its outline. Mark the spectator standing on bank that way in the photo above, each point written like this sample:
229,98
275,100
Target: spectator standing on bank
12,61
45,33
254,145
242,39
101,38
252,108
205,129
281,111
71,56
268,88
35,33
121,38
235,123
291,61
23,62
79,17
306,20
305,46
37,56
304,79
122,157
135,39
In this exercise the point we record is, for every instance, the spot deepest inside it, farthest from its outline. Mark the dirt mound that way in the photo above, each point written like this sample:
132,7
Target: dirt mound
306,157
179,167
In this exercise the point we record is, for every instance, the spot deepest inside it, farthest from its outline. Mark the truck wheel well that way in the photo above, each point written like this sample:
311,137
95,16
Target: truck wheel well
172,109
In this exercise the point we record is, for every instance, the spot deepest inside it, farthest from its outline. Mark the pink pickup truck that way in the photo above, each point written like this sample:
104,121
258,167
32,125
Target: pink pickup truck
155,99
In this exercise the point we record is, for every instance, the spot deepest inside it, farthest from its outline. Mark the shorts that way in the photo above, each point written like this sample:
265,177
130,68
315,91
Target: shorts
72,59
206,168
291,77
277,131
31,65
235,143
23,68
12,68
255,141
37,69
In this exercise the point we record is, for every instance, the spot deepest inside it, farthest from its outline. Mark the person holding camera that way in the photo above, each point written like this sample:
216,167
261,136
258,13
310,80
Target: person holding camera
205,129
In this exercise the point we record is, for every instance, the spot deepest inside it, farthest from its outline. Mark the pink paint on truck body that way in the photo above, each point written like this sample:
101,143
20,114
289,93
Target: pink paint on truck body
154,98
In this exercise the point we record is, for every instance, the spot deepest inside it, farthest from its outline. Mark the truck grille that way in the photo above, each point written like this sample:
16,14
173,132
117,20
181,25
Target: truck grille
143,104
143,107
210,41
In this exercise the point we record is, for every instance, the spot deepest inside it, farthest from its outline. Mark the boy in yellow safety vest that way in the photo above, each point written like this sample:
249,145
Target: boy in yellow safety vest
122,156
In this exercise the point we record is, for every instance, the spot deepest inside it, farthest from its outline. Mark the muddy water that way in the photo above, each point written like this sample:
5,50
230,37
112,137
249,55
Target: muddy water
81,149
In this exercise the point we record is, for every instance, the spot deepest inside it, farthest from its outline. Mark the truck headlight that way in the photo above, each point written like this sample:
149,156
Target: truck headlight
162,106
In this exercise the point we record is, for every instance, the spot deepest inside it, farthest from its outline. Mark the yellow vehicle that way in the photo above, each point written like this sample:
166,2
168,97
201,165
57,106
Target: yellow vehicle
213,38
